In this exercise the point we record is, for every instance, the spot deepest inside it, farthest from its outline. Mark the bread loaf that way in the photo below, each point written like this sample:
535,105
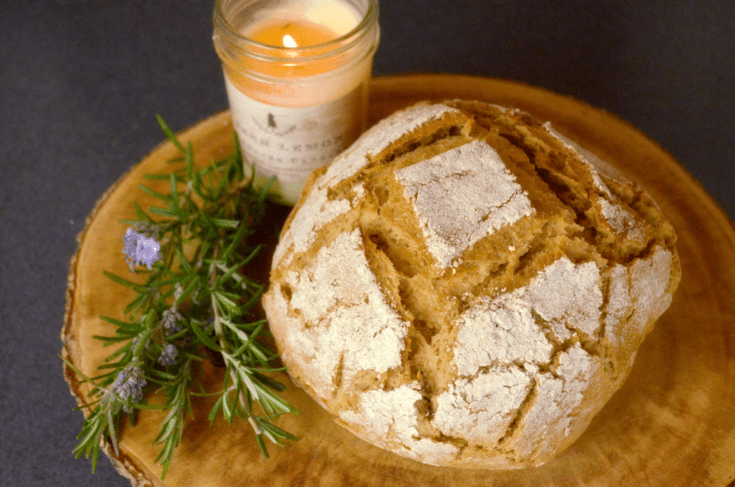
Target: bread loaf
465,286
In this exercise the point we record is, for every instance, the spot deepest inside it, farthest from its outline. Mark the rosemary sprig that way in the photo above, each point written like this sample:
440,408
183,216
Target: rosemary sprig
195,305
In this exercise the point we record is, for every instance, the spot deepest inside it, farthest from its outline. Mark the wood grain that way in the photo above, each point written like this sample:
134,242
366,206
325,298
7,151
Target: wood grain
671,424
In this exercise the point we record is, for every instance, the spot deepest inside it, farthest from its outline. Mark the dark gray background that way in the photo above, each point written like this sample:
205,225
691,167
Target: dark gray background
80,82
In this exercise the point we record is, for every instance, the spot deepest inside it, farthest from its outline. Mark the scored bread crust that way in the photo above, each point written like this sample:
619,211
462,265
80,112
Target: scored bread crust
465,286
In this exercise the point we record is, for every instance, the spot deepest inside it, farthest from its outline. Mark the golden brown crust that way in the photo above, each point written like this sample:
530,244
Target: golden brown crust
463,287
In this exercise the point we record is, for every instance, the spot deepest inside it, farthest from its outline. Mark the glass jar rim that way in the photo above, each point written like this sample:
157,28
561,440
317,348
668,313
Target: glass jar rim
344,41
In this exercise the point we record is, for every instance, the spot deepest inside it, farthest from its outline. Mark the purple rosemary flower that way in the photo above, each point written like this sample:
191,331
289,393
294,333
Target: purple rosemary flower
129,384
140,250
147,252
168,355
130,242
170,320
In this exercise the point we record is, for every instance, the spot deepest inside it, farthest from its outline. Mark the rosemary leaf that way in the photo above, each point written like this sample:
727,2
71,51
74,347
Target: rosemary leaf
192,302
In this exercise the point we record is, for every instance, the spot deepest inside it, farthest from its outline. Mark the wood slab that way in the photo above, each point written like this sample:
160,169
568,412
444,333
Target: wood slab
672,423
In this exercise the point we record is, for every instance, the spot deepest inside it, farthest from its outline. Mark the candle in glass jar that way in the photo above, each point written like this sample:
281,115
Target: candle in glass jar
297,75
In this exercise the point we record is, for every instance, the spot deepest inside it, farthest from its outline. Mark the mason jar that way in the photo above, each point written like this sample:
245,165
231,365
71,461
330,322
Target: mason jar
297,74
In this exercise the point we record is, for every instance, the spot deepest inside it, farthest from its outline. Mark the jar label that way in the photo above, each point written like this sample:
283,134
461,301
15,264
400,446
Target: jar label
290,142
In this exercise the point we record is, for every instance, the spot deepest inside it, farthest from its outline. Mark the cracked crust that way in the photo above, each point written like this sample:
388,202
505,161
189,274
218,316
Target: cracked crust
465,286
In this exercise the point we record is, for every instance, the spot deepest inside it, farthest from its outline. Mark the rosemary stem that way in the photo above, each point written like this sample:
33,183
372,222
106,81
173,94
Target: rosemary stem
160,343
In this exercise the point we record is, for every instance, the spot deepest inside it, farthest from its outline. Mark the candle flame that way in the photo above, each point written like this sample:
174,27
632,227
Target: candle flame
289,42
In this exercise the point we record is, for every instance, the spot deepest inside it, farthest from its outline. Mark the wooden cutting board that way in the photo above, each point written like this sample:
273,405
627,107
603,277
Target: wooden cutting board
672,423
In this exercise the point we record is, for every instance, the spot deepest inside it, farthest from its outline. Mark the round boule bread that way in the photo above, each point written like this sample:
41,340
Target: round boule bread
465,286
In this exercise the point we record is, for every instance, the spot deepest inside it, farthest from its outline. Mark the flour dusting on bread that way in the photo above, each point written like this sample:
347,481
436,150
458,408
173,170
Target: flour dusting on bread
461,196
317,210
346,324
